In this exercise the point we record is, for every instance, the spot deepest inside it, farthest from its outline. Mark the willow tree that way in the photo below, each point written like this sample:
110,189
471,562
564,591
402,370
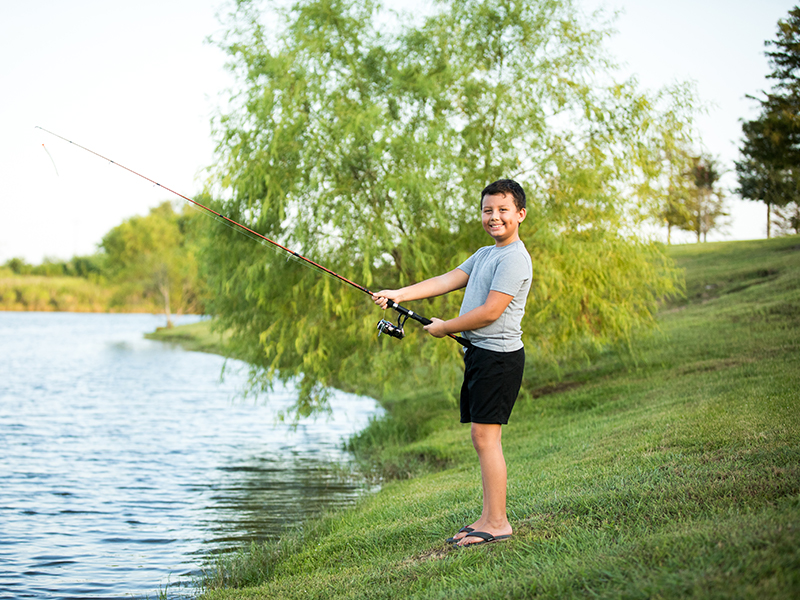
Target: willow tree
362,142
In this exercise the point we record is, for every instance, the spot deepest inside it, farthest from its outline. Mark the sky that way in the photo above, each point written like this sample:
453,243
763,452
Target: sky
139,83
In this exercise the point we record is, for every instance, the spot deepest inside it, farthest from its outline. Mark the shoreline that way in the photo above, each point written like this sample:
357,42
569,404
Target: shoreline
197,337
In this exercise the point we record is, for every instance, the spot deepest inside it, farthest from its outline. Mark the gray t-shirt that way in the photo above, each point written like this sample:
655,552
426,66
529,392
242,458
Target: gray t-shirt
507,269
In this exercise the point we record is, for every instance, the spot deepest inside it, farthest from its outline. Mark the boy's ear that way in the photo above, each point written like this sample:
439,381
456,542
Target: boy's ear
522,214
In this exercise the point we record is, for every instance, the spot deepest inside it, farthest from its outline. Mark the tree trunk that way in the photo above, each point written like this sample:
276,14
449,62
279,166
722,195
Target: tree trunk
167,312
699,223
769,218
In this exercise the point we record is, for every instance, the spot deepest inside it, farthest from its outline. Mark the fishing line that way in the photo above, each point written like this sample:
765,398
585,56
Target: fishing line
384,326
51,158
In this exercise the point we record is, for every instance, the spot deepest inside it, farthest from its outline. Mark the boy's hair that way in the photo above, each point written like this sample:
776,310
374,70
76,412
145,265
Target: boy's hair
506,186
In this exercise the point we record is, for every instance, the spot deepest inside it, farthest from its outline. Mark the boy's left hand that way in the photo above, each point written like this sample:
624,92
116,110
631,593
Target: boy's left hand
437,328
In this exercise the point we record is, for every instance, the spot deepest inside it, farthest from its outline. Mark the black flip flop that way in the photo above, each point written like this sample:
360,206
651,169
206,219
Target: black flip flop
464,529
487,538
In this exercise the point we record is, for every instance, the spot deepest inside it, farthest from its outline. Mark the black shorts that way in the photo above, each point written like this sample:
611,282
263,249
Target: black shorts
491,384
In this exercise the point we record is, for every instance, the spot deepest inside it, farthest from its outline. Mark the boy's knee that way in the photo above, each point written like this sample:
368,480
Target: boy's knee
485,435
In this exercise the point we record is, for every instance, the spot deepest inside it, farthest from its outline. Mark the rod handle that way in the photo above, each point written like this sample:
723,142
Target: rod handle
412,315
409,313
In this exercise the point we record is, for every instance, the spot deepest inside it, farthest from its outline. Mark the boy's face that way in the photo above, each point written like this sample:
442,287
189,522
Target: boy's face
501,218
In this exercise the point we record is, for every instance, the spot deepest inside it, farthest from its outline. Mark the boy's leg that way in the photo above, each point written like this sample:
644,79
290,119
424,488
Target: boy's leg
493,520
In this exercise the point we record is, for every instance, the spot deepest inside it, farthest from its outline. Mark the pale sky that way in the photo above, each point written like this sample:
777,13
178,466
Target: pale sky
137,83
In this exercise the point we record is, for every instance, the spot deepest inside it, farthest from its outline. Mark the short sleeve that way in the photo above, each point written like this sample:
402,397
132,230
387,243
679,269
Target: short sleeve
468,264
511,273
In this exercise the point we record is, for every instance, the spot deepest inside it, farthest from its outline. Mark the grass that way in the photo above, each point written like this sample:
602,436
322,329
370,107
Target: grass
197,337
39,293
675,477
65,294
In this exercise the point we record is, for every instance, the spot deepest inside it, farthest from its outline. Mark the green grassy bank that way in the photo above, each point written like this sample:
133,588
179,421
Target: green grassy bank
197,337
677,476
65,294
40,293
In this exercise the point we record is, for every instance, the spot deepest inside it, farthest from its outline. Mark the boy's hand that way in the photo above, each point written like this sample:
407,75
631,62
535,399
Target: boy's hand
437,328
382,298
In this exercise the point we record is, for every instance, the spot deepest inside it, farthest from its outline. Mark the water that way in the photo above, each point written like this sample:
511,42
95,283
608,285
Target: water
125,462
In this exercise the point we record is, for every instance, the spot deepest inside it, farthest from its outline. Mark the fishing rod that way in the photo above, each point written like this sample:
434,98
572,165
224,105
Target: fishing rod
384,326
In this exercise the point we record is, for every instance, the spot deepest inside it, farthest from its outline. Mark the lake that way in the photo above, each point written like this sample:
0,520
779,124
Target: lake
125,463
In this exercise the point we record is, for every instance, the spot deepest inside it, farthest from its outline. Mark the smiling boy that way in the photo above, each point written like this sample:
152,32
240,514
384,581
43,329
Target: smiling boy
497,279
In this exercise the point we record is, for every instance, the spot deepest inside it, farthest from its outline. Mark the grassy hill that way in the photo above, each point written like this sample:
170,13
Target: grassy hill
675,475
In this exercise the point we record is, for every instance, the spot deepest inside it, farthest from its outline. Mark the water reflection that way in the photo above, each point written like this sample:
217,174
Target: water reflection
256,500
123,461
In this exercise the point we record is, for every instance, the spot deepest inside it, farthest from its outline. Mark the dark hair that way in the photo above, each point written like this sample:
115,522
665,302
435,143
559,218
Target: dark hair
506,186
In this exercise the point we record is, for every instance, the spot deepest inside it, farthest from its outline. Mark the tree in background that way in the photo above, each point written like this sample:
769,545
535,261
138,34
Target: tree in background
705,200
365,147
675,210
88,267
770,167
154,256
18,266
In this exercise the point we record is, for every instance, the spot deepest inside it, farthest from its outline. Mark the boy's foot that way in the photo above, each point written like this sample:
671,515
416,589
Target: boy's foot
457,537
482,538
498,532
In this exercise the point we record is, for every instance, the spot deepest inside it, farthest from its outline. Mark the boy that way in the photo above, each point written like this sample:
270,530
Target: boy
497,280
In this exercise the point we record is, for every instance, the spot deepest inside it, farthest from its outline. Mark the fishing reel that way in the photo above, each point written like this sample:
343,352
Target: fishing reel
389,328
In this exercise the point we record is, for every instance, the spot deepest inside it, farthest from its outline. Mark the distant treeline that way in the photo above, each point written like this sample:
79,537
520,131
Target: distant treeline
88,267
145,264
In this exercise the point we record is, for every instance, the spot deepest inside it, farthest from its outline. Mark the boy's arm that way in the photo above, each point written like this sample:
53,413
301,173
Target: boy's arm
435,286
487,313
